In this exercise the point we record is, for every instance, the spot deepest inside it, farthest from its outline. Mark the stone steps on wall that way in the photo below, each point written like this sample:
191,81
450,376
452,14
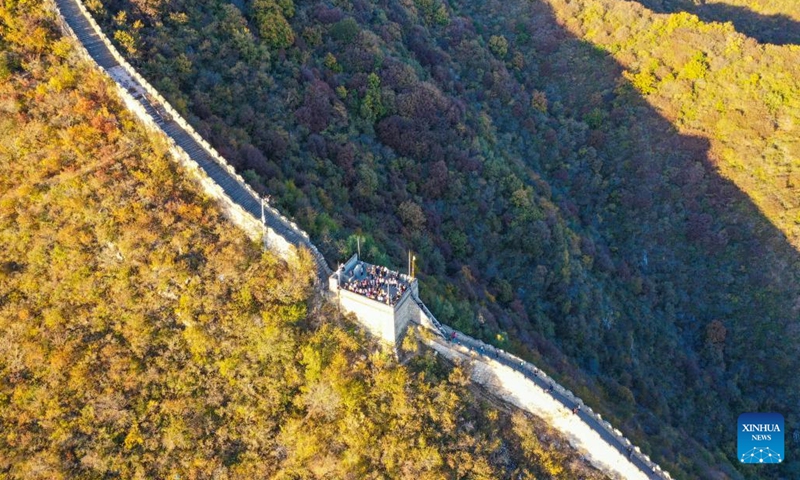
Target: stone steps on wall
478,351
204,158
99,49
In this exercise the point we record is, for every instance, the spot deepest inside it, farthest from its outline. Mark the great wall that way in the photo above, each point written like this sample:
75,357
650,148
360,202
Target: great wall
501,374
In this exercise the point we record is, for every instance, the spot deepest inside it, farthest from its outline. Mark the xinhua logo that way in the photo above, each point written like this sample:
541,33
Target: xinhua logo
760,438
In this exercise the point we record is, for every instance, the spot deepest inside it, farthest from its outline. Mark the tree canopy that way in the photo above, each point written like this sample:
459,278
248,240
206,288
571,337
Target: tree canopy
588,183
142,336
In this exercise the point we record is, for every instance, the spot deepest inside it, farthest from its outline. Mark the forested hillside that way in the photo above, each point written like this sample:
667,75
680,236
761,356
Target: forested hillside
742,96
141,336
605,190
767,21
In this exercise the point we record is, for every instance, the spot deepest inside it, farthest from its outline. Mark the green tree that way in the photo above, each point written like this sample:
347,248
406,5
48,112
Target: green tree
270,18
371,106
498,45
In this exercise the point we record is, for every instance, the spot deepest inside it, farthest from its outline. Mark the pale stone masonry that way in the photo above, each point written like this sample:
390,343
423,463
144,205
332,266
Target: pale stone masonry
383,300
385,318
239,202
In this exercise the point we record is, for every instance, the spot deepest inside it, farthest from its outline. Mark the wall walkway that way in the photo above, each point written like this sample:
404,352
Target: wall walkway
238,199
493,368
522,384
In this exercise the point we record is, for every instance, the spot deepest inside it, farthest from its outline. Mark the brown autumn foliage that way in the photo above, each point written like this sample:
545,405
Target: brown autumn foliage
141,336
597,183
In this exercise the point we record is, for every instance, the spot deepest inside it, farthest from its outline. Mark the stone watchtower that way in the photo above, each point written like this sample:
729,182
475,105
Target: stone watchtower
383,300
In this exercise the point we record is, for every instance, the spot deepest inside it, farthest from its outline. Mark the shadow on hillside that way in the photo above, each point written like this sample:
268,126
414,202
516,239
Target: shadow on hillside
775,29
667,242
694,246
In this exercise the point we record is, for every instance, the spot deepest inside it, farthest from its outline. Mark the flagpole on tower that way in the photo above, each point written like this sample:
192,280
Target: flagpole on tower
264,222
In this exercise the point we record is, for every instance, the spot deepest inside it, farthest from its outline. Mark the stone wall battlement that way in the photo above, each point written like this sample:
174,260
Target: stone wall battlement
243,206
240,203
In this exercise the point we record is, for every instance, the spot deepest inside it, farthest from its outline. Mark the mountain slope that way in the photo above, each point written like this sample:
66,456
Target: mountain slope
144,337
553,208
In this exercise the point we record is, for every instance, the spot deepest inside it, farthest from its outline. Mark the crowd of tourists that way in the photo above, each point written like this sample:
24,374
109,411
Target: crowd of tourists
378,283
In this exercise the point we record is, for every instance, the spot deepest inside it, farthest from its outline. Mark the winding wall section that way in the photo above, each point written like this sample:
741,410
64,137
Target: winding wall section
244,207
239,201
529,388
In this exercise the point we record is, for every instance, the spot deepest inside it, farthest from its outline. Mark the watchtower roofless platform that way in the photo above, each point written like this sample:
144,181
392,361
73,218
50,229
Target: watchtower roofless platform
383,300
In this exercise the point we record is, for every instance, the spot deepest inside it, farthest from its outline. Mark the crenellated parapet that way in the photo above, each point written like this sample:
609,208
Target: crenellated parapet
385,302
218,179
